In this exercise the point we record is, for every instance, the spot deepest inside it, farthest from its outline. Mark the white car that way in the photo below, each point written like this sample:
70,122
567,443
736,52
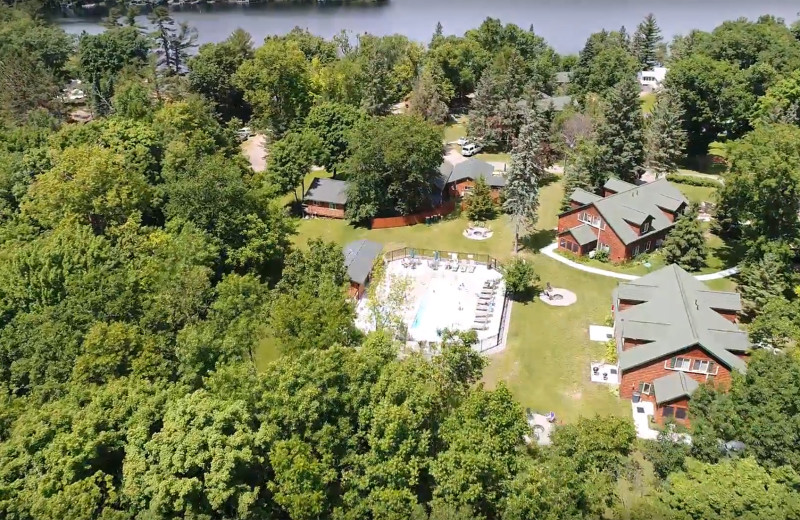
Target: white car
462,141
244,133
471,149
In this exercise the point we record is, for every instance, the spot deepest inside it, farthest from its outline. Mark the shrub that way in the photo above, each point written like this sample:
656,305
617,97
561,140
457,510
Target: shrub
611,351
601,255
479,203
519,277
691,180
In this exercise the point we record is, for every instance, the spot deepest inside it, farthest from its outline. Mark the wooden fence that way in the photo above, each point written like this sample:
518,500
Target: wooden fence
417,218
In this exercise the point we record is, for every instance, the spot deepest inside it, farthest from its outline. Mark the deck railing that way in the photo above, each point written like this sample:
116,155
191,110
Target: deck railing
444,256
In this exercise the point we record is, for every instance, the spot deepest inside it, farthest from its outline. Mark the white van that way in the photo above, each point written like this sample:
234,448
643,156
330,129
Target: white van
471,149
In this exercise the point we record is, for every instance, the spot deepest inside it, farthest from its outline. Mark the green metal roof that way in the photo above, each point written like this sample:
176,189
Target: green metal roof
637,204
617,185
584,197
584,234
359,258
673,386
472,169
674,316
558,103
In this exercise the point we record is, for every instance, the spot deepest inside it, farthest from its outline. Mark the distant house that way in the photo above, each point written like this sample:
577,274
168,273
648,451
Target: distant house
456,180
626,221
325,198
563,78
359,259
557,103
651,80
673,333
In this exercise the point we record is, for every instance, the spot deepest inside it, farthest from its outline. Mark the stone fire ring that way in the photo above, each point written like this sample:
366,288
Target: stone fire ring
559,297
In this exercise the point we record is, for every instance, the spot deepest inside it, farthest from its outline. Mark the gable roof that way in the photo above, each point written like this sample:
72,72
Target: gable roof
359,258
584,197
636,204
674,386
675,316
584,234
332,191
471,169
558,103
617,185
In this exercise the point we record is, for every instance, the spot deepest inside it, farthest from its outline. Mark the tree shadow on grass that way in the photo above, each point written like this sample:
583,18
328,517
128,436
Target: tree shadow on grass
731,252
538,239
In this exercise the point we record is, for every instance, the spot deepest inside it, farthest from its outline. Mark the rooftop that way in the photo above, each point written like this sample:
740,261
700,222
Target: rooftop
673,386
471,169
558,103
332,191
678,312
359,258
635,205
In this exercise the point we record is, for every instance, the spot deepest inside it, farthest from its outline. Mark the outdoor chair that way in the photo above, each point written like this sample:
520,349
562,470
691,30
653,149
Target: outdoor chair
484,306
471,267
482,321
488,292
485,297
463,267
478,326
486,315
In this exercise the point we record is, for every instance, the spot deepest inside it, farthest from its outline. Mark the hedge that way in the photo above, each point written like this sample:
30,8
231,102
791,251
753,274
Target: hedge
691,180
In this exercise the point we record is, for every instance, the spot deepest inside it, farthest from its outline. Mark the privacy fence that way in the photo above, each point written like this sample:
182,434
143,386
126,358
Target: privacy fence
423,217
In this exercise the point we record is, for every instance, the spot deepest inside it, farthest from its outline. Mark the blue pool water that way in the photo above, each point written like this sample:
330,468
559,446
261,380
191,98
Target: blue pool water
421,311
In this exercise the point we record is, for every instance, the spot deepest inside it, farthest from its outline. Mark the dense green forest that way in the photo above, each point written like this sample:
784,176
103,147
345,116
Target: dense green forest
142,260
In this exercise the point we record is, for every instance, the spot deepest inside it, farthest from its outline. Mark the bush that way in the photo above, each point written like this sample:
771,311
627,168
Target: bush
519,277
601,255
611,351
691,180
479,204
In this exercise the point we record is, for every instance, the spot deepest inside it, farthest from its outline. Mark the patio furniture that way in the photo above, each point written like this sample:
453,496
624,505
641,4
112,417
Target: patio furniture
485,298
488,292
481,321
471,264
463,267
483,315
479,326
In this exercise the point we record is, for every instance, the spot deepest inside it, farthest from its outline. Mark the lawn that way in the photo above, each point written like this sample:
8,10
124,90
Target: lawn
455,130
648,102
546,362
698,194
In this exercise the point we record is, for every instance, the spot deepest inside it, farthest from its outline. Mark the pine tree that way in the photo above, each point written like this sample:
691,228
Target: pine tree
665,135
480,206
438,35
686,245
587,171
621,133
646,42
426,101
526,169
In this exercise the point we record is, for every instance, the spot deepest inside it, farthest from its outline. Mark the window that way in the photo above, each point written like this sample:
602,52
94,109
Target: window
331,205
647,246
645,227
604,247
645,388
636,250
680,413
701,366
562,243
667,411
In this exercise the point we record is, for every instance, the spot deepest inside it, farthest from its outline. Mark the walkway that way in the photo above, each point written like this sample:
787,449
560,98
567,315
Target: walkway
551,252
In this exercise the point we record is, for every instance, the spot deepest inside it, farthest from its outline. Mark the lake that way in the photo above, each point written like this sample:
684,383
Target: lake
565,24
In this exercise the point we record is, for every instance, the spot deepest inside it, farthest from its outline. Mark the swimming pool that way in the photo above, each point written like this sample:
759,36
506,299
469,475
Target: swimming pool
438,309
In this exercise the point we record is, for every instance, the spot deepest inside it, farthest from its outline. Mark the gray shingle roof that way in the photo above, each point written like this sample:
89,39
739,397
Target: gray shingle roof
673,386
558,103
584,197
584,234
675,316
472,169
563,77
634,204
359,258
332,191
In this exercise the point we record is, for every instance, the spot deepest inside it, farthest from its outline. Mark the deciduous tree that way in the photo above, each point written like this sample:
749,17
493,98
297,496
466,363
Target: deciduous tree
426,101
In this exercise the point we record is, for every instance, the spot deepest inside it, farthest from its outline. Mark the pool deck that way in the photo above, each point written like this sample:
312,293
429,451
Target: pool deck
444,298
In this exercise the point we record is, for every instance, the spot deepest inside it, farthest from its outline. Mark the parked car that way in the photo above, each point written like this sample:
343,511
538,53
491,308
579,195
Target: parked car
244,133
471,149
462,141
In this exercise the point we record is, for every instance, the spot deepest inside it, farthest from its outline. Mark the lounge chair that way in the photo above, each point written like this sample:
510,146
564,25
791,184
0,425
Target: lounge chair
481,321
485,299
479,326
487,293
471,266
463,267
484,306
483,315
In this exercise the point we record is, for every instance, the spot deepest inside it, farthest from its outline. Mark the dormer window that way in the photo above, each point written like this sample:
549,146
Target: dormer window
645,227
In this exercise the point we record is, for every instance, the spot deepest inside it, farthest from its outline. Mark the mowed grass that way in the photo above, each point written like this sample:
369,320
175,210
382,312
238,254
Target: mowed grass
546,362
698,194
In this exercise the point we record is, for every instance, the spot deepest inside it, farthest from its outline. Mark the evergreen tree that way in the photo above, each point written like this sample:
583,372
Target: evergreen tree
480,206
496,113
426,100
665,135
438,35
685,245
525,171
646,42
621,133
581,171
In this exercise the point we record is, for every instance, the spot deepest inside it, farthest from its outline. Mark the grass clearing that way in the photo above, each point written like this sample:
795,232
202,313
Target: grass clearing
698,194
